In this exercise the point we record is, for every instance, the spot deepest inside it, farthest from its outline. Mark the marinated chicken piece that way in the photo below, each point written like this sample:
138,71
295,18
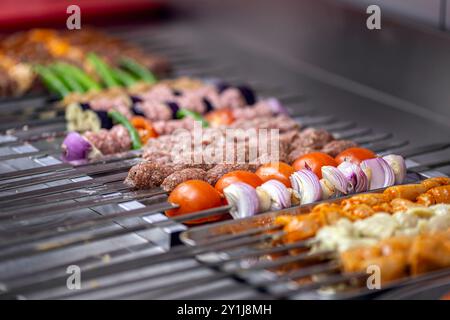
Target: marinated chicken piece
406,191
364,205
399,204
359,259
430,252
435,182
412,191
435,195
301,227
398,257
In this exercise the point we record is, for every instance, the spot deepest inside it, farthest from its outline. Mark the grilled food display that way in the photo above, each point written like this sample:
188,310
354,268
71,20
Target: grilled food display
392,199
22,51
402,236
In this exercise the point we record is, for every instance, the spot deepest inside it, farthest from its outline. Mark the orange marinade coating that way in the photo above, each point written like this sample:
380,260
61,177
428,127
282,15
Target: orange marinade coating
435,195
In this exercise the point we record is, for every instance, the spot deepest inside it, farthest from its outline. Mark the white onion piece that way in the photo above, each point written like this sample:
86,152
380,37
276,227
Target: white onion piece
397,163
358,180
243,200
328,190
336,178
264,200
307,184
379,172
279,195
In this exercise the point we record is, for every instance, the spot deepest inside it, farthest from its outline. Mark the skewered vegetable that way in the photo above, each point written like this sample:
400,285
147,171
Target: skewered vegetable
379,172
102,70
52,81
397,163
278,193
182,113
75,147
276,171
221,117
314,162
307,184
135,138
138,70
238,176
355,155
79,75
192,196
144,128
243,200
70,82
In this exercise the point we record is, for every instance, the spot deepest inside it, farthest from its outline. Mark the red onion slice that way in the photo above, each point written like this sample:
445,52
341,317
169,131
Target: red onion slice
336,178
75,147
243,200
379,172
279,194
397,163
276,106
307,184
357,179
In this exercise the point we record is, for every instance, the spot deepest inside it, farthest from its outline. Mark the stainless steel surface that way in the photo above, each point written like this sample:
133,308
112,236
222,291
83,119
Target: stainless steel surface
55,215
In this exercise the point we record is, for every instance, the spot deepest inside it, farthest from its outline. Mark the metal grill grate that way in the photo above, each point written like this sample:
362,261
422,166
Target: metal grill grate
55,214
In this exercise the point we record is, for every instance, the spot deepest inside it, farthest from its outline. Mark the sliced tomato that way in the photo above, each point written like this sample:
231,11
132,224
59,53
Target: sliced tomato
276,170
355,155
144,128
314,161
221,117
192,196
238,176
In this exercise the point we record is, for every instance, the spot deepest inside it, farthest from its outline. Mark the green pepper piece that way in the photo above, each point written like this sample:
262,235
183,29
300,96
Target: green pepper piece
103,70
68,80
121,119
182,113
124,77
51,80
140,71
82,77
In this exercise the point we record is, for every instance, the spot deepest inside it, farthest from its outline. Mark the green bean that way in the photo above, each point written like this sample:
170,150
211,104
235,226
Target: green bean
140,71
103,70
182,113
82,77
134,135
68,80
51,80
124,77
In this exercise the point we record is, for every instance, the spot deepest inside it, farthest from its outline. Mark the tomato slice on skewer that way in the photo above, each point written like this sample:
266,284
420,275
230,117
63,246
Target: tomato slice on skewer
276,171
238,176
314,161
355,155
192,196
